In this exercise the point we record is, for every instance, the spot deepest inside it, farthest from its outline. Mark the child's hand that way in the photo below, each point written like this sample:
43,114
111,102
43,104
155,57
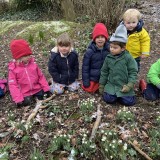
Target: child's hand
127,88
101,89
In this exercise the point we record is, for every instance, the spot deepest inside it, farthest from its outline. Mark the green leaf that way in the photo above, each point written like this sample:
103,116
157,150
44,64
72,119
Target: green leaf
132,152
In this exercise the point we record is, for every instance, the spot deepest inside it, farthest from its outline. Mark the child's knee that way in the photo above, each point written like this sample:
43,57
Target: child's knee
56,90
109,98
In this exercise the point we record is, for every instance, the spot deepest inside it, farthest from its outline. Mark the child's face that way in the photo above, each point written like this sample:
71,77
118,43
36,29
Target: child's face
64,49
25,59
131,23
100,41
116,49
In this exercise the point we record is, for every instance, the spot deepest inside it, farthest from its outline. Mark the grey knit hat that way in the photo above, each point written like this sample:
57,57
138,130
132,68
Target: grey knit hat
120,34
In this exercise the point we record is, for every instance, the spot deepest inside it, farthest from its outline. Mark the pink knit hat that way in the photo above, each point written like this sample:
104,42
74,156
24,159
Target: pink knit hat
99,29
20,48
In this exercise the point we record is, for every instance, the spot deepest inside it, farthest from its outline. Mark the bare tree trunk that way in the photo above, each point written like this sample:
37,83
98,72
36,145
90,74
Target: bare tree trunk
68,9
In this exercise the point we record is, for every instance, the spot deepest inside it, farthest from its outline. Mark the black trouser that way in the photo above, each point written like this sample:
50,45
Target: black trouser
27,100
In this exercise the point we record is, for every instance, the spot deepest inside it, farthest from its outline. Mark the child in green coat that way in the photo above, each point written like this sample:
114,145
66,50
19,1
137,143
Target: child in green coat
151,89
119,71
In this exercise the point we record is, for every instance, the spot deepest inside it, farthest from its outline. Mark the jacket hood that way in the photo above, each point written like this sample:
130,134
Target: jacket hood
138,28
12,64
92,45
55,50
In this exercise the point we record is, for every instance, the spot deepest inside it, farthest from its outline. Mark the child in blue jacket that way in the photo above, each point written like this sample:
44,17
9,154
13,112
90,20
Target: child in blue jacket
94,57
63,65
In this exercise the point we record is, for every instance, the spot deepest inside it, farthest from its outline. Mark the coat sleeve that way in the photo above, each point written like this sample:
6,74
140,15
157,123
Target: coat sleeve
42,80
86,69
145,43
15,92
52,68
153,75
104,73
132,70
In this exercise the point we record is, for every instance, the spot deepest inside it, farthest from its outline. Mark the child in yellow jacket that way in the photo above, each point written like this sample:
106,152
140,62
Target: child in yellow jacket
138,43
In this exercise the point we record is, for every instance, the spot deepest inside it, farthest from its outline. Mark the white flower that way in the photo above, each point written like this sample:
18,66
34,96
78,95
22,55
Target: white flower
35,157
113,146
110,133
111,157
84,135
125,146
114,141
120,141
102,131
92,146
104,138
106,149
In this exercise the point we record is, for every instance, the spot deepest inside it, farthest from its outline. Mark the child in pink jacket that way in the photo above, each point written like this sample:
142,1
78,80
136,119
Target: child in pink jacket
25,79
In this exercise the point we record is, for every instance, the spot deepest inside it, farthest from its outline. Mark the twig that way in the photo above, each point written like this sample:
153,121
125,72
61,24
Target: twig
38,106
140,151
96,124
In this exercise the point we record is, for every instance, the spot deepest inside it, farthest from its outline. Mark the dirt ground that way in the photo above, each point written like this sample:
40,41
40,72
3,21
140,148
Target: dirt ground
63,110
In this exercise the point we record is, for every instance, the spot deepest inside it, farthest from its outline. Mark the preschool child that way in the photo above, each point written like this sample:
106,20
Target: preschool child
138,43
25,79
94,57
119,71
151,89
63,66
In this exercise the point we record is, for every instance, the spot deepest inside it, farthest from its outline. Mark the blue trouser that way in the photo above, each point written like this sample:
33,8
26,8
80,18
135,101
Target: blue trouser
1,92
151,92
126,100
138,59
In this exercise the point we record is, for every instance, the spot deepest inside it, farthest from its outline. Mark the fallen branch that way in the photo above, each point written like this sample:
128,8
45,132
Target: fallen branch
38,106
96,124
140,151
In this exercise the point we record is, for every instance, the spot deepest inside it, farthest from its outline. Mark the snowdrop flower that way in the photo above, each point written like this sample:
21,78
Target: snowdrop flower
35,157
106,149
103,138
84,135
82,154
113,146
92,146
125,146
110,133
102,131
114,141
120,141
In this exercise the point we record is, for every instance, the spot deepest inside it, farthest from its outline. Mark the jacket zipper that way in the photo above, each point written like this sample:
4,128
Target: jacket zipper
68,70
29,80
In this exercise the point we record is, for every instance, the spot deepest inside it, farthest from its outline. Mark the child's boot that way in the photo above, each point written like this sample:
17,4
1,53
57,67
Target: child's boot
142,85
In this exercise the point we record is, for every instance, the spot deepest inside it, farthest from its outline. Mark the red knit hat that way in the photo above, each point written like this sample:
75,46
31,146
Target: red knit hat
20,48
99,29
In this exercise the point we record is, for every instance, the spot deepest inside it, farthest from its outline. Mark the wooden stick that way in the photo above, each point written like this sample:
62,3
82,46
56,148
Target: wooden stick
38,106
96,124
140,151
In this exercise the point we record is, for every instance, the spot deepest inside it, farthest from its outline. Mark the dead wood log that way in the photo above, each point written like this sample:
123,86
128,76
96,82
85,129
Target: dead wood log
38,106
96,124
140,151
